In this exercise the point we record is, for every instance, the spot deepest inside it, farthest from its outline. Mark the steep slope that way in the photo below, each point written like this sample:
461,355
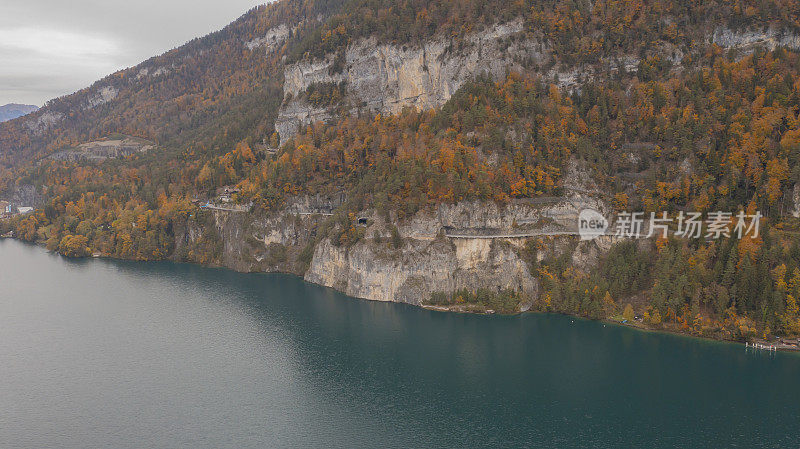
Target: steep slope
207,94
438,152
227,86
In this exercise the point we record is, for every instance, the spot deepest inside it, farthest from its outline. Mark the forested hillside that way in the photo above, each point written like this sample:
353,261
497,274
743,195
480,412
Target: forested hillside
676,106
217,90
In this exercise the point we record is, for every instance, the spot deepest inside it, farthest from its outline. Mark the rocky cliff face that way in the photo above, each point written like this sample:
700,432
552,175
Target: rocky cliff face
271,39
412,274
454,246
257,242
468,245
748,40
387,78
37,125
104,149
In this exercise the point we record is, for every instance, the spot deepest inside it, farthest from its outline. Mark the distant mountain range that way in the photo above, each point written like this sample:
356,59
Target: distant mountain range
13,110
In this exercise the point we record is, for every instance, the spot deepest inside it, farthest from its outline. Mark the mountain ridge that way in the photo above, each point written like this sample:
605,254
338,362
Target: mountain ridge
315,29
13,110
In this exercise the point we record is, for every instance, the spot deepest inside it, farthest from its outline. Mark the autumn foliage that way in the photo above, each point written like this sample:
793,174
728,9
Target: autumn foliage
685,126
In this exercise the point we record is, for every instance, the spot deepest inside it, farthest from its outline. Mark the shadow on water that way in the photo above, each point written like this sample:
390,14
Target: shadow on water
412,377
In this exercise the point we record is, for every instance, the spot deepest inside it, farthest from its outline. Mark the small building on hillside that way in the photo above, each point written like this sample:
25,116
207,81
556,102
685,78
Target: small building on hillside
225,193
227,190
22,210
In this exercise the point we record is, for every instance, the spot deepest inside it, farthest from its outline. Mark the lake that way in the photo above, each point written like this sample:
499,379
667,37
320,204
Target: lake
101,353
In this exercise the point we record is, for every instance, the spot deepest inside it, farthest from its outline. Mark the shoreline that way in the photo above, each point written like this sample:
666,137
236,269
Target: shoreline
778,348
462,309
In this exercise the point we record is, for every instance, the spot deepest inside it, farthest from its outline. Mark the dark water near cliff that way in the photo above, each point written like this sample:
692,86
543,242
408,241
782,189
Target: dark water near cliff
98,353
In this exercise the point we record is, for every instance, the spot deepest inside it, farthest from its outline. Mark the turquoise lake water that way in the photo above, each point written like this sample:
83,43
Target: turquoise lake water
99,353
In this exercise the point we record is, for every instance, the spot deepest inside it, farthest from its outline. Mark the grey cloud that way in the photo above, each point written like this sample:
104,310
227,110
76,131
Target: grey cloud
126,32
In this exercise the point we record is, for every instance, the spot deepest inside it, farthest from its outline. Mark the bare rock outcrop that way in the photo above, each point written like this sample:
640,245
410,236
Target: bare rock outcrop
103,149
413,273
387,78
748,40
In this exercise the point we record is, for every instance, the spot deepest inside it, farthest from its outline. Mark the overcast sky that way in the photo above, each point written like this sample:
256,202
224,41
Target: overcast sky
50,48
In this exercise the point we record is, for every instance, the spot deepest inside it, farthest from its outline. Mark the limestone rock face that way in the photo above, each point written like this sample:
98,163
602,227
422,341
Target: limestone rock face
387,78
444,249
271,39
467,245
748,40
103,149
38,125
102,95
413,273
